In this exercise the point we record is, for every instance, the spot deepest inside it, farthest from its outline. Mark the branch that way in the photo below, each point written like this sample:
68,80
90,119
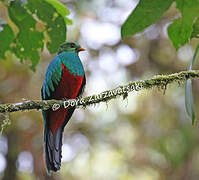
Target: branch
160,81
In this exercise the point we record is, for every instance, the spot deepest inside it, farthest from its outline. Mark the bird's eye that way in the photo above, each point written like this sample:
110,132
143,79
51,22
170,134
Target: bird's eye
72,45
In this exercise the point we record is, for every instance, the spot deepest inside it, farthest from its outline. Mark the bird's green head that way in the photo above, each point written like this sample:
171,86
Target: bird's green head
70,47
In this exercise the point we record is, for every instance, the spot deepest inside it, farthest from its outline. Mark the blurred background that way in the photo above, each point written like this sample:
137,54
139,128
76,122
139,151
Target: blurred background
147,136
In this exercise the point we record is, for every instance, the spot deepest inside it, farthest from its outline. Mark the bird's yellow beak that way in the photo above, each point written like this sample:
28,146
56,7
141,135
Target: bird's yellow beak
81,49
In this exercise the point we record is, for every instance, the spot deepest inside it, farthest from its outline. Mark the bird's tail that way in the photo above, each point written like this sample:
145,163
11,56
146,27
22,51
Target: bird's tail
53,148
53,139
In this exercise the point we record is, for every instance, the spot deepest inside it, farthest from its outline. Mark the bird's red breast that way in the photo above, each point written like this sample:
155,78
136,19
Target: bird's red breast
68,87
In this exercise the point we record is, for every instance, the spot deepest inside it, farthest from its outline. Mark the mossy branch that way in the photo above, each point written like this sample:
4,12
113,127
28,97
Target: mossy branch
160,81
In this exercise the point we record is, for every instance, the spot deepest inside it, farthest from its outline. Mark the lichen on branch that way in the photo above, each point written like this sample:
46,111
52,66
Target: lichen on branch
160,81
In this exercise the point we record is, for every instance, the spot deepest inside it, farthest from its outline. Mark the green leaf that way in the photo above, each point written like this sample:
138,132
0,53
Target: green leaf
18,12
41,9
146,13
6,38
189,103
55,24
38,21
28,40
61,9
57,33
195,33
181,30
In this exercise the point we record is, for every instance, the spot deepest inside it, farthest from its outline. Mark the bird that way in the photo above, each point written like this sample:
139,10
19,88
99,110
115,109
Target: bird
64,79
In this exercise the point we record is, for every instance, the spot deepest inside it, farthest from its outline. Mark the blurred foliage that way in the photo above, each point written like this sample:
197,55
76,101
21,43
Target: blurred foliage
180,32
145,14
38,22
148,12
6,36
195,32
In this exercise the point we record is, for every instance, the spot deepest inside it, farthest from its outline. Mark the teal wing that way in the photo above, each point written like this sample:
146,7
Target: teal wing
52,78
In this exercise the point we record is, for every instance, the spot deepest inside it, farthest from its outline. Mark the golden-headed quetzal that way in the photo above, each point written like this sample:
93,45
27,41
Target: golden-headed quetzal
65,78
